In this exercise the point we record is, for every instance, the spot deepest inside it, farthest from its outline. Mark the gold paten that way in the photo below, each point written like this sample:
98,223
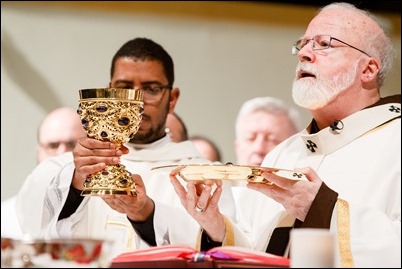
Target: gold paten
110,114
228,172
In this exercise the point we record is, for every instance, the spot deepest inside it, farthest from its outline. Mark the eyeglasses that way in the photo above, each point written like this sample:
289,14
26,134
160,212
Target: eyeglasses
320,42
153,94
53,146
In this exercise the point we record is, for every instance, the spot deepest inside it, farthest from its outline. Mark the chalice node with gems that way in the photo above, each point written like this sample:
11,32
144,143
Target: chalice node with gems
110,114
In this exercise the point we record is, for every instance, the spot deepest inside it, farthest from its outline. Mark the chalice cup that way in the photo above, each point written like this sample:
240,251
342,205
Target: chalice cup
110,114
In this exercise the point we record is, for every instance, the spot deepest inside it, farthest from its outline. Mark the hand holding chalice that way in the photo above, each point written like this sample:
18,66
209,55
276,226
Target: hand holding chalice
110,114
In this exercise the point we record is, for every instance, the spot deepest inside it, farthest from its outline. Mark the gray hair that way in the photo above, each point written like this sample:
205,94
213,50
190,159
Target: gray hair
377,45
269,105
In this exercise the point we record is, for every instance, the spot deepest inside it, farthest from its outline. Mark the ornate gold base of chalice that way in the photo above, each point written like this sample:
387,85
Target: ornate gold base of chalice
110,114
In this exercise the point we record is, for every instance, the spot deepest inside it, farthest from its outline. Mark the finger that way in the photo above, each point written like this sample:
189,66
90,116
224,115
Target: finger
83,152
110,200
204,197
281,182
130,204
191,196
214,201
310,174
140,189
138,180
218,183
92,160
92,143
126,200
175,171
212,182
199,187
106,152
124,149
91,147
108,197
179,189
263,188
91,169
81,173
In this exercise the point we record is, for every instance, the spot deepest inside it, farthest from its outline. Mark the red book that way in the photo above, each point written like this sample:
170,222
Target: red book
177,253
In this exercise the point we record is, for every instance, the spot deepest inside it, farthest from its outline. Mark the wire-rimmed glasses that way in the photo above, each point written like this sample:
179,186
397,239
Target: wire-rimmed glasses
153,93
320,42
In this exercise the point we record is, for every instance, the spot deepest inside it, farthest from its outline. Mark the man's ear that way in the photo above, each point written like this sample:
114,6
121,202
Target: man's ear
371,70
174,96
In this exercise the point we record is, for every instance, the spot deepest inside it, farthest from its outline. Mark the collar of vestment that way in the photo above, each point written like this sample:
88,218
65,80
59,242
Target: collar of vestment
346,130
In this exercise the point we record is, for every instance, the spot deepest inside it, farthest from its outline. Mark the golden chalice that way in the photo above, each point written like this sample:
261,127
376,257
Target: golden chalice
110,114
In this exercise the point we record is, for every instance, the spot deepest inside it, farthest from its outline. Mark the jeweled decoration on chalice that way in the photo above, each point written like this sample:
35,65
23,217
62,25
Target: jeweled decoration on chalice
110,114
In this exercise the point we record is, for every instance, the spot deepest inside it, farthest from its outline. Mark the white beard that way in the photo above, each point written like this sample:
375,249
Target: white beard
314,93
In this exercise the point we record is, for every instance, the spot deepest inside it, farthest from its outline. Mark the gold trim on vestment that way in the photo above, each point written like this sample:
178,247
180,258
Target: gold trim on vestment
229,236
343,223
127,227
227,241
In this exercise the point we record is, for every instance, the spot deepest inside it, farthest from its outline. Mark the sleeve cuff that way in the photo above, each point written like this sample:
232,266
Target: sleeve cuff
320,213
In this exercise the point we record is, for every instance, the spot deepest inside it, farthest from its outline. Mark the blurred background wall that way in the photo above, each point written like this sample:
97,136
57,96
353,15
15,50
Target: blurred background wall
224,52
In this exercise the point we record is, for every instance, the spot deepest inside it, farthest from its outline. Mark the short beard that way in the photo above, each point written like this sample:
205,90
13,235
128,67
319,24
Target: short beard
318,92
152,134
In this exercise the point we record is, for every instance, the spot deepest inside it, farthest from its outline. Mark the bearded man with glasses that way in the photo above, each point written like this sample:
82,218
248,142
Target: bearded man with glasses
350,153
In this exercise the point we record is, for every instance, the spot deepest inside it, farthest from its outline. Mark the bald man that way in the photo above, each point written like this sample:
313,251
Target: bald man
176,128
57,134
207,148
